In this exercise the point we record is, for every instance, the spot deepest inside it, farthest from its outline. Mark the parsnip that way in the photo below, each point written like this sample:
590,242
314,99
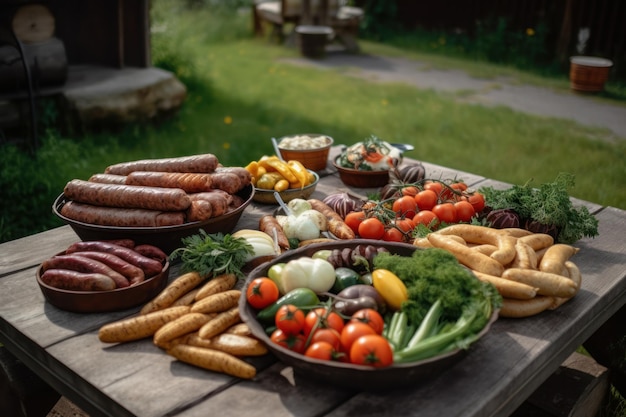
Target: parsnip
174,290
467,256
545,282
213,360
508,288
216,303
220,323
554,259
139,327
217,284
525,308
183,325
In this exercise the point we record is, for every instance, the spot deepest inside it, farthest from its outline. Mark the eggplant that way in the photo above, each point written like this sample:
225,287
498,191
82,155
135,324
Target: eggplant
363,290
349,306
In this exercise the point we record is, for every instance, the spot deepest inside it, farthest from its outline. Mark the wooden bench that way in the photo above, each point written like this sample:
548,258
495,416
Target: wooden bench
343,20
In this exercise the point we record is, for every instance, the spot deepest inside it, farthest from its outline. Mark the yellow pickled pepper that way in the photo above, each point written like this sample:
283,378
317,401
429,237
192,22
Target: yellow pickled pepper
300,172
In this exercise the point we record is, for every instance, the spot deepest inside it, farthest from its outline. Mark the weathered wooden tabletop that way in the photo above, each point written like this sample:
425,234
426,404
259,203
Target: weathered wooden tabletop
138,379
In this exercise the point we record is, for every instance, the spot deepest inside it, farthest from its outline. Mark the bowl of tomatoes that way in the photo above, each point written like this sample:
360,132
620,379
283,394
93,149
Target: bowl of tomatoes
376,372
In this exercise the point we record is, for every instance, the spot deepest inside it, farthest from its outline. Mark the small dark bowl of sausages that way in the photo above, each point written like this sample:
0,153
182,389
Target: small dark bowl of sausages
156,201
102,276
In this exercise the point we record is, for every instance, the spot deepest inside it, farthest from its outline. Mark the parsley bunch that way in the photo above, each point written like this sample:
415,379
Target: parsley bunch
549,204
213,253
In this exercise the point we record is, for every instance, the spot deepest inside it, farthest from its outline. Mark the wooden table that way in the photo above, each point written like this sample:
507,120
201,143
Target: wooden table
138,379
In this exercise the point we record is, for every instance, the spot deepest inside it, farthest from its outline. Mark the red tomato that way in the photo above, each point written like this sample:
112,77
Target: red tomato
352,331
371,228
435,186
464,211
426,199
372,350
262,292
445,212
289,319
294,342
459,186
331,336
477,200
354,219
370,317
325,318
392,234
405,206
321,350
410,190
426,217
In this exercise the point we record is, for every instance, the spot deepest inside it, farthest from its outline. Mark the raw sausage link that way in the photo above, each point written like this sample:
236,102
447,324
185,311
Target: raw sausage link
151,251
194,163
268,224
121,217
133,273
127,196
150,267
77,281
189,182
87,265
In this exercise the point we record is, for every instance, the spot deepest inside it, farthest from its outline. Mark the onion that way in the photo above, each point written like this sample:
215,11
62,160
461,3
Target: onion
342,203
503,218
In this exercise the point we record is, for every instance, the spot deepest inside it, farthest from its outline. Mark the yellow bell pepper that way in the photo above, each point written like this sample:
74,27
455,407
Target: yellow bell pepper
390,287
275,164
300,172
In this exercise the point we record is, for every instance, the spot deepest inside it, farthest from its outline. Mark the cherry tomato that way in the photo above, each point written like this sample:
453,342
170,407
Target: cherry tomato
445,212
435,186
426,199
354,219
459,186
370,317
328,335
464,211
477,200
410,191
294,342
321,350
289,319
426,217
262,292
371,228
372,350
392,234
352,331
325,318
405,206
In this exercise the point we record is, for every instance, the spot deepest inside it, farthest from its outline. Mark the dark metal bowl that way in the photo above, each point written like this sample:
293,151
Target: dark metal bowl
168,238
104,301
343,374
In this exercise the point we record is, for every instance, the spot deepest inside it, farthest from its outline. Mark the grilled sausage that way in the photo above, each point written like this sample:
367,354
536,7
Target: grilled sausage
108,178
244,175
189,182
219,200
194,163
127,196
226,181
121,217
269,225
151,251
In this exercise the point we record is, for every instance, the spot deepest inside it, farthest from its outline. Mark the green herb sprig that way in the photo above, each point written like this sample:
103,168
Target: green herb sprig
548,204
213,254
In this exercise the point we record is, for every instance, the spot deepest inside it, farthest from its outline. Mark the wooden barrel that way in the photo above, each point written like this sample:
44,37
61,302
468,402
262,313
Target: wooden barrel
46,60
589,74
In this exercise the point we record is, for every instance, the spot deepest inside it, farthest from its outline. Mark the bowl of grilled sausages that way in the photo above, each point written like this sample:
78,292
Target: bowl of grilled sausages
156,201
102,276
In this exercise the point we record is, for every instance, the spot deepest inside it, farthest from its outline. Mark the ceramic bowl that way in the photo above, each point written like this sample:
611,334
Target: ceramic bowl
314,159
267,196
168,238
105,301
361,179
344,374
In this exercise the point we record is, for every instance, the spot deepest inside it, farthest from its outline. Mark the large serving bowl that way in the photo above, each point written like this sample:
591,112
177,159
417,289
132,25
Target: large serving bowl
361,179
314,158
343,374
268,197
105,301
168,238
